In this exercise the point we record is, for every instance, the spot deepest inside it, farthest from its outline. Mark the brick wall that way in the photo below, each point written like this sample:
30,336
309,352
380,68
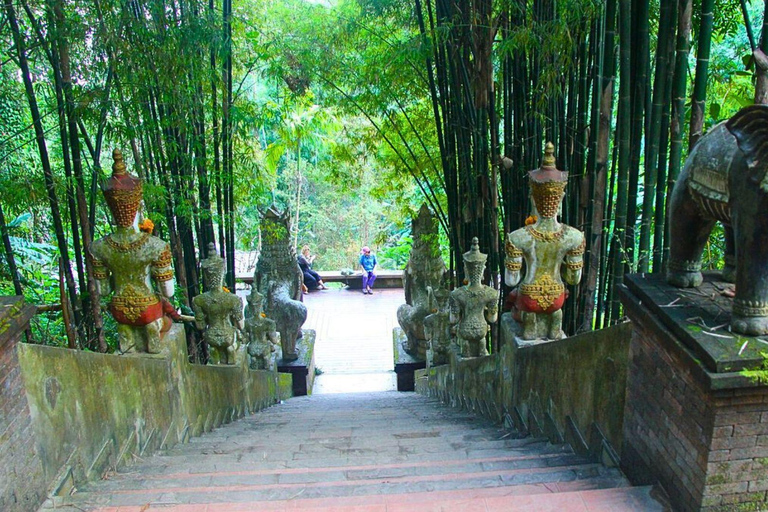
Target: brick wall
707,447
21,483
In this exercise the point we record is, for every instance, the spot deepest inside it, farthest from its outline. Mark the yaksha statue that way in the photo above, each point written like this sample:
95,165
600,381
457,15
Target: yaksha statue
437,328
278,277
218,313
425,270
260,334
545,245
131,258
473,306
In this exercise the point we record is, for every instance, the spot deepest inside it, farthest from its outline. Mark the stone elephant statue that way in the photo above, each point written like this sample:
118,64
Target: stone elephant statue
725,179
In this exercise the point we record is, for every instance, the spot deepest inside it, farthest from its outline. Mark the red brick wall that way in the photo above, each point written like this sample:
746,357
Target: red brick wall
22,486
707,448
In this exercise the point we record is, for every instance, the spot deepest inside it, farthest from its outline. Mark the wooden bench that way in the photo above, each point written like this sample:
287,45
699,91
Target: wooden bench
384,279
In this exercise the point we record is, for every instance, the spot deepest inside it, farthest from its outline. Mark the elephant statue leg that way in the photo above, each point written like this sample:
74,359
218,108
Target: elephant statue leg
729,271
690,231
750,223
748,183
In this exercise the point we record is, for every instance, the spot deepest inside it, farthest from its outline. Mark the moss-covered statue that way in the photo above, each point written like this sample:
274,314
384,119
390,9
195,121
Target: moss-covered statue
550,250
218,313
260,334
425,270
126,262
473,306
438,328
278,277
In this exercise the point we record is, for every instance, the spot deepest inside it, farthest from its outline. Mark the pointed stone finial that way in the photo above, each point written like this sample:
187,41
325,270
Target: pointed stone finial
211,249
118,165
474,255
549,155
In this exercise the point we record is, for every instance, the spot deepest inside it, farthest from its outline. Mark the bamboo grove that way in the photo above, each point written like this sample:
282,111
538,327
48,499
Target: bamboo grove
463,94
507,76
154,76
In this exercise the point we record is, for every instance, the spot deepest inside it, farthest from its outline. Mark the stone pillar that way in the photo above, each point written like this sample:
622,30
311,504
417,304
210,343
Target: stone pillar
22,483
694,422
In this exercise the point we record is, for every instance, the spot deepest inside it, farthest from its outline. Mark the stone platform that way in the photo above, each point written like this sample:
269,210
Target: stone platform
405,364
302,369
695,419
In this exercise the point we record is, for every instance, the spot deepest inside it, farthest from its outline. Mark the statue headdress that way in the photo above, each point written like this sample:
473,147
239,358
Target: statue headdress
122,192
213,269
474,261
548,184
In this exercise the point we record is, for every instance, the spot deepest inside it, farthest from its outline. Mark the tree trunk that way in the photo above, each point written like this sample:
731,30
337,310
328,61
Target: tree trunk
698,104
653,140
9,254
50,187
601,152
677,119
93,302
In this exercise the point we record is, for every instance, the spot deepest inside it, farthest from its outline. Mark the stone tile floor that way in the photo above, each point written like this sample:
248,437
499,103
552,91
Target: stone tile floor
354,338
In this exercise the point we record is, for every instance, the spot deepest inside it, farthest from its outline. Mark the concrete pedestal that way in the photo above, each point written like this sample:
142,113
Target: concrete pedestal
405,364
694,420
303,368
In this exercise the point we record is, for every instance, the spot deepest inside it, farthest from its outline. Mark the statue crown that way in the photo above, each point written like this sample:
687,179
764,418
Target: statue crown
123,192
213,269
474,255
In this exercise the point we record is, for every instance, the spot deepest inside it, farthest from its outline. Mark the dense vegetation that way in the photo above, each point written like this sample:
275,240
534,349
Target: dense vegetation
352,113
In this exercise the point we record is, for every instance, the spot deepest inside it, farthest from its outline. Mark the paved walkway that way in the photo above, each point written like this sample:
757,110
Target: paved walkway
353,347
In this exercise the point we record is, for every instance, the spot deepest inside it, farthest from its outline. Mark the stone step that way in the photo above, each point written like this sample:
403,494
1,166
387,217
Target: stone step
336,474
535,498
377,451
195,463
248,455
380,442
248,492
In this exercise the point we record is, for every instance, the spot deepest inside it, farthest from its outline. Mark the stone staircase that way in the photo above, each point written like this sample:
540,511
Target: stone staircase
370,451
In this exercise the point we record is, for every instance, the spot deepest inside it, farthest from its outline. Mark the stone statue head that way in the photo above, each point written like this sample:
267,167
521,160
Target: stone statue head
474,262
255,302
122,192
441,296
213,269
548,184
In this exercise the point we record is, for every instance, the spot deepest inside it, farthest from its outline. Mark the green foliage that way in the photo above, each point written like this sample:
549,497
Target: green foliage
760,375
395,256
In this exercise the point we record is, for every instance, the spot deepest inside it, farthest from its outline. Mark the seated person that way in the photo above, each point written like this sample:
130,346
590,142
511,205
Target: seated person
312,280
368,265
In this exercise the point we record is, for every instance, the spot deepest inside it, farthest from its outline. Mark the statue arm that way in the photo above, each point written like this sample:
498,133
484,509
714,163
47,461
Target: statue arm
200,319
513,262
238,319
574,260
492,310
162,272
455,308
101,274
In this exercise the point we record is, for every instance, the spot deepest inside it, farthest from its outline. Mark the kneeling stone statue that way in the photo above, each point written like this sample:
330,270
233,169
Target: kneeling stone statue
473,306
126,261
546,245
219,314
437,328
260,334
